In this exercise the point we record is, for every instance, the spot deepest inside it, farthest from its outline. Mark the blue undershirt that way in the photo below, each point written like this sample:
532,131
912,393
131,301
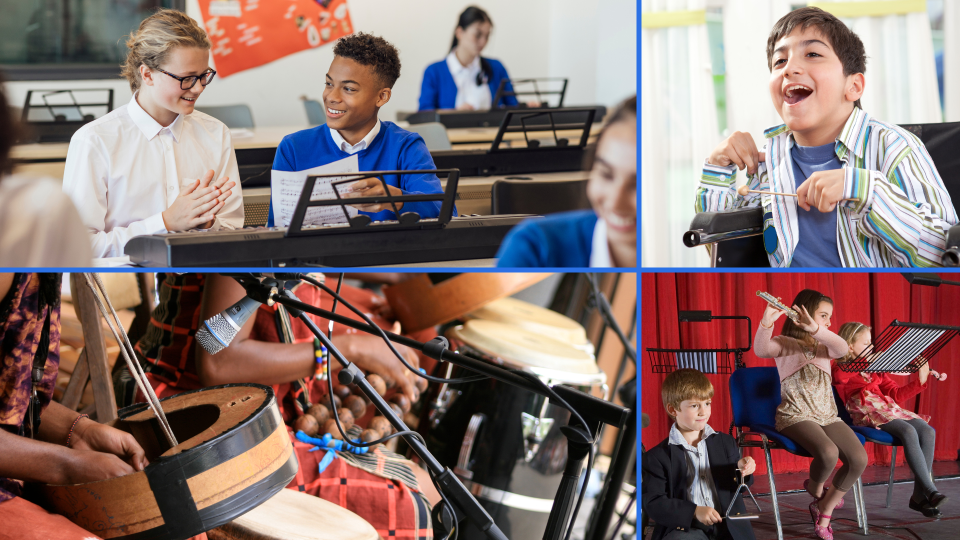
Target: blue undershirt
817,244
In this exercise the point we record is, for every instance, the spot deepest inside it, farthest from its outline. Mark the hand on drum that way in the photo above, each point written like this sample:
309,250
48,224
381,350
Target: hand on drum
96,437
372,355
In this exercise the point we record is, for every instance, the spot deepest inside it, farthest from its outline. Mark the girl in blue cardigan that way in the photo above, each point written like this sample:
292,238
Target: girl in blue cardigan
464,80
603,237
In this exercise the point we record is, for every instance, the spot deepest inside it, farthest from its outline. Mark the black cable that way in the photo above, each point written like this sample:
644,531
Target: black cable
556,397
453,513
386,339
607,312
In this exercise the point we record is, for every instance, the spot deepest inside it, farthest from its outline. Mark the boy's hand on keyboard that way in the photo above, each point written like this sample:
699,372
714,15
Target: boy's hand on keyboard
372,187
197,205
821,190
740,150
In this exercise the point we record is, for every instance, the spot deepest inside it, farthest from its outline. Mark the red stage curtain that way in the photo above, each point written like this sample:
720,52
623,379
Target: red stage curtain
874,299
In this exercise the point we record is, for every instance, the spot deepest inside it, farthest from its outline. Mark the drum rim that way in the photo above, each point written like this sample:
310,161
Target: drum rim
563,377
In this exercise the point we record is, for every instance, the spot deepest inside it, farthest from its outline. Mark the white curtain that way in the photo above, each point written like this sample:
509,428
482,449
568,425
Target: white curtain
951,60
679,129
901,77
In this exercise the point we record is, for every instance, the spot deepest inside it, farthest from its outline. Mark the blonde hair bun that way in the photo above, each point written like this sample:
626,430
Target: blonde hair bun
157,35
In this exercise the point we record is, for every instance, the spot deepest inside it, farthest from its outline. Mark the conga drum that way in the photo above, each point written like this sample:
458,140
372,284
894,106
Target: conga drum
536,319
291,515
504,442
233,454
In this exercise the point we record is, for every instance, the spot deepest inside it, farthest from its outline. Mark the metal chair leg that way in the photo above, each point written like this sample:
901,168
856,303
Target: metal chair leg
863,507
773,491
856,506
893,463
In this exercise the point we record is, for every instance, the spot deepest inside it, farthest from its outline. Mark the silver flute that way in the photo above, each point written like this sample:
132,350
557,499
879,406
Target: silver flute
792,313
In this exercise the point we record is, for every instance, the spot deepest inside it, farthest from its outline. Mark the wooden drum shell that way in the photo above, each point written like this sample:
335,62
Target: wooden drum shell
234,454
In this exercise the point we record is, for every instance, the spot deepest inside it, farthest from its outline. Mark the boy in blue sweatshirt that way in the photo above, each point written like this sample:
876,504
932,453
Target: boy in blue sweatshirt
358,83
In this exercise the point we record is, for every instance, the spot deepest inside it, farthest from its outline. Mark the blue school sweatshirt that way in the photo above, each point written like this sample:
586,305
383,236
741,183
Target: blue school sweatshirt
438,91
562,240
392,149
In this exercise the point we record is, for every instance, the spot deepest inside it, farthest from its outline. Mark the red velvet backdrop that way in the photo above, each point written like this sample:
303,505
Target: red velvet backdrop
874,299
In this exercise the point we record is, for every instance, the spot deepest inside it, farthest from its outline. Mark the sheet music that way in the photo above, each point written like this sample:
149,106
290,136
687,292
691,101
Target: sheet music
285,188
902,351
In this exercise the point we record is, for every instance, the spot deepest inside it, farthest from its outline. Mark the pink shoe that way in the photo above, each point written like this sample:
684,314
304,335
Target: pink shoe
825,489
823,533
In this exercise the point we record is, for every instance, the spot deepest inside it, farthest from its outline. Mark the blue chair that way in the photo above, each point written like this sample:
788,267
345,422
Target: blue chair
873,435
755,396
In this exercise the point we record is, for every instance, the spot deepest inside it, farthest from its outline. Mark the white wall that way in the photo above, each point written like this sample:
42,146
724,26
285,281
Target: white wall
592,43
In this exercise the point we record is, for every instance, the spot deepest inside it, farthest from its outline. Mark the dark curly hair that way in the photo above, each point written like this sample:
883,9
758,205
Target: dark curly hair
370,50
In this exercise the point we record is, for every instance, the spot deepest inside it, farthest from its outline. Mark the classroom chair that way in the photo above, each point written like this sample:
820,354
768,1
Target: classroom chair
876,436
234,116
526,196
315,114
434,134
941,141
755,396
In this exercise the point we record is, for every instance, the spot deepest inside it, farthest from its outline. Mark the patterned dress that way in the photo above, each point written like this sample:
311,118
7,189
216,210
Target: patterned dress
21,325
871,398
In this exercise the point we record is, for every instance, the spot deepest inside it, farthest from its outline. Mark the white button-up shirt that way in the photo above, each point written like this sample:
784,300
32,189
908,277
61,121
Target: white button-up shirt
124,169
701,490
343,145
465,77
600,256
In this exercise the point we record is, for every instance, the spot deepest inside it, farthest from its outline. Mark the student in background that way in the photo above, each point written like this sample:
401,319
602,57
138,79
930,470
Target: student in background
360,81
39,227
464,80
603,237
156,165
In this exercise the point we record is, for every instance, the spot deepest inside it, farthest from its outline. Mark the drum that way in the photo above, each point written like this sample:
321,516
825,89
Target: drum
504,442
234,453
536,319
291,515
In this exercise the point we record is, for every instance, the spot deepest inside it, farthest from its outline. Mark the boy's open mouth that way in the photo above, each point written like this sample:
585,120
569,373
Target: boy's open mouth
795,93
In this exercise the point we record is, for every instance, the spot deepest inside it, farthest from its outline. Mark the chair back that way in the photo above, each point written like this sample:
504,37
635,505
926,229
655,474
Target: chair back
942,141
434,134
315,114
234,116
755,396
535,197
841,408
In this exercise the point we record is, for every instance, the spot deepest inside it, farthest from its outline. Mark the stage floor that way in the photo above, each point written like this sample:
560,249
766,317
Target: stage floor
898,521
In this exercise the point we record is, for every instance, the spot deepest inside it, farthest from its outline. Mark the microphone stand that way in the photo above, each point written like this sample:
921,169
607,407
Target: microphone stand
595,411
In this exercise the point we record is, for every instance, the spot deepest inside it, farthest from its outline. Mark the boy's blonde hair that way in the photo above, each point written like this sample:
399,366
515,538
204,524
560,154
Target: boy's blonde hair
159,34
684,384
849,332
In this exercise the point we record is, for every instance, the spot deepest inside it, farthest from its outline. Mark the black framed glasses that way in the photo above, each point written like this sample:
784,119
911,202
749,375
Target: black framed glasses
190,81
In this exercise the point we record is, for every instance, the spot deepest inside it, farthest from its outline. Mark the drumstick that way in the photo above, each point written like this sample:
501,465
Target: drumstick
743,191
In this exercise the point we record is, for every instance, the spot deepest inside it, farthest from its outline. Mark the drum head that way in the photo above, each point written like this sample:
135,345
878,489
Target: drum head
298,516
534,318
532,352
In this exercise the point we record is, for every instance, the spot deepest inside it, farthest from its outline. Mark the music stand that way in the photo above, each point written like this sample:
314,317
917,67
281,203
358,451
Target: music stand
526,123
902,347
704,360
57,122
407,220
502,91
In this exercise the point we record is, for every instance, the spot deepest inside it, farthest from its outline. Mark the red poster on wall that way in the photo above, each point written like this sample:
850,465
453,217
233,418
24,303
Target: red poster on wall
251,33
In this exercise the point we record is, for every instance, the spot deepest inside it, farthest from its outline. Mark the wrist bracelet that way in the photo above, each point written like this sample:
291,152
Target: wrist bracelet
72,426
321,355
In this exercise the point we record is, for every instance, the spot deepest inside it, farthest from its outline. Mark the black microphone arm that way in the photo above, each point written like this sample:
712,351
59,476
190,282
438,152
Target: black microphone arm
594,411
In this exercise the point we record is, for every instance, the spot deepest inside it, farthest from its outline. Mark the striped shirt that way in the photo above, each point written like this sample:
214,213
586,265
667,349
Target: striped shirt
901,212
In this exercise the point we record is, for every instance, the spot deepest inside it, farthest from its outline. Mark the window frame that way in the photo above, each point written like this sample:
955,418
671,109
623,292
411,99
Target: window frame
69,72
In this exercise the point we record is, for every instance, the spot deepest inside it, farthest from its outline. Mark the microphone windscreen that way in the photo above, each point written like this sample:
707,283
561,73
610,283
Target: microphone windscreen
216,333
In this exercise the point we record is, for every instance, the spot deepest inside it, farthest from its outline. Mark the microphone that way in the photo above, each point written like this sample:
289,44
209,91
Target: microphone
218,331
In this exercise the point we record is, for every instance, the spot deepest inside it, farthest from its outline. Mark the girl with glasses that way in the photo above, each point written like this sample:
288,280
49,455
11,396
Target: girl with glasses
156,165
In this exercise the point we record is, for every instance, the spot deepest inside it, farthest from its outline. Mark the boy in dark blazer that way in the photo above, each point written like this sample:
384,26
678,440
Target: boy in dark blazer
690,477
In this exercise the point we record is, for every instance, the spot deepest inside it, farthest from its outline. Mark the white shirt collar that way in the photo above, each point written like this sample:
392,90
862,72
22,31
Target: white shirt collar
677,438
147,125
457,69
343,145
600,256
